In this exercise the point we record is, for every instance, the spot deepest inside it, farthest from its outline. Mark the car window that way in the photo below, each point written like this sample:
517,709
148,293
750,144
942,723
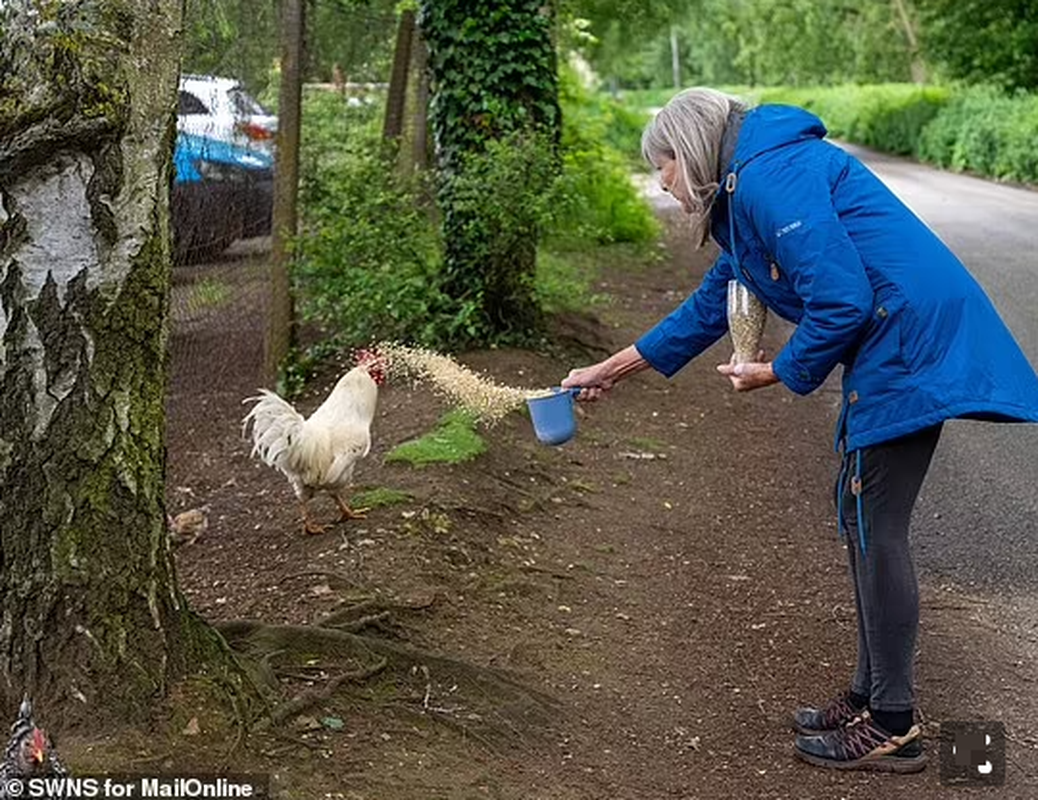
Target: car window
189,104
244,105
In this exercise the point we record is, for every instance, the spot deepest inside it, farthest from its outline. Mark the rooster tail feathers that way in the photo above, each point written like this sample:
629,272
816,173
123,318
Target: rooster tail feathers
276,426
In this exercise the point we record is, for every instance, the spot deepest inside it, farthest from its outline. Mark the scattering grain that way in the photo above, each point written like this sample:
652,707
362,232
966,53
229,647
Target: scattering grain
487,400
746,318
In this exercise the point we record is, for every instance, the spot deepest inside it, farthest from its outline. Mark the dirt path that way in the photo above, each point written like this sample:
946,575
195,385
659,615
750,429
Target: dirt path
672,578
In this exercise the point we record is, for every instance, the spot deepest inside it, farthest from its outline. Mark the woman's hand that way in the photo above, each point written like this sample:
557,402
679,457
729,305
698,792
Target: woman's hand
751,375
593,381
596,380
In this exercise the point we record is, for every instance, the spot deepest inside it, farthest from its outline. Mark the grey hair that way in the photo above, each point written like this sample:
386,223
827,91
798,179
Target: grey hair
689,129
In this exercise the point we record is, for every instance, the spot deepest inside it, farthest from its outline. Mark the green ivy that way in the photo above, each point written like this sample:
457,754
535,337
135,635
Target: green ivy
494,71
494,81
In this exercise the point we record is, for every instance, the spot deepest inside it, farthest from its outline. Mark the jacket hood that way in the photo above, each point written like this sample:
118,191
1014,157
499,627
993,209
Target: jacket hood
769,126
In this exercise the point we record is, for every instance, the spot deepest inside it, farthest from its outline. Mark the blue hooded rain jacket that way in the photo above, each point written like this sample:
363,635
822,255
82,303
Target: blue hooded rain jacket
825,245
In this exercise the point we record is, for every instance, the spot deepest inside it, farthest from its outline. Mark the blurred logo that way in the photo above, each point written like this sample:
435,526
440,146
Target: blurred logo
973,753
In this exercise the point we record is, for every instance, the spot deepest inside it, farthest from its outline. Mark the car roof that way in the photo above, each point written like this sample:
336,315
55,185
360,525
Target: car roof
226,83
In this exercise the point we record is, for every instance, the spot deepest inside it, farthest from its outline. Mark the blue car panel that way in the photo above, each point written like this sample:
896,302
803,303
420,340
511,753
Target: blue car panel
221,193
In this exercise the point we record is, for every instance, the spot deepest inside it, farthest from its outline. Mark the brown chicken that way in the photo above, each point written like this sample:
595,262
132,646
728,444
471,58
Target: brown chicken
320,452
188,526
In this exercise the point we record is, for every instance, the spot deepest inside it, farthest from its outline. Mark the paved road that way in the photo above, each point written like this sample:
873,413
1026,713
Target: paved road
977,519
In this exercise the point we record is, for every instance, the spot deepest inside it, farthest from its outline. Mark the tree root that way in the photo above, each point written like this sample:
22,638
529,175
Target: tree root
371,613
347,619
487,703
311,698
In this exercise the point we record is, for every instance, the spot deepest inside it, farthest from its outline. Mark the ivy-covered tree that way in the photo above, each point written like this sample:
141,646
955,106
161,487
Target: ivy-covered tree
496,119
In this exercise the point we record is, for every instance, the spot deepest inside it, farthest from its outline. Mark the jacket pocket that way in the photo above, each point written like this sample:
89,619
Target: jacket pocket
885,343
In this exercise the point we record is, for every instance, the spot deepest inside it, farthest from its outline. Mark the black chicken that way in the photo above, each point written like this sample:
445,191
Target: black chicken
29,753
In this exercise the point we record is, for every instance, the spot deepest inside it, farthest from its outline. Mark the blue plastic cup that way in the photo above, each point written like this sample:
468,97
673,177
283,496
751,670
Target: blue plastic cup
552,415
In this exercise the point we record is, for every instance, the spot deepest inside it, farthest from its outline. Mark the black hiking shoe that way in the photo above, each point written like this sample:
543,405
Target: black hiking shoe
834,714
861,744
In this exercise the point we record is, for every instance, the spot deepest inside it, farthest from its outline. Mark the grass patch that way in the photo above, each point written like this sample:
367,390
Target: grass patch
453,440
208,293
566,275
379,498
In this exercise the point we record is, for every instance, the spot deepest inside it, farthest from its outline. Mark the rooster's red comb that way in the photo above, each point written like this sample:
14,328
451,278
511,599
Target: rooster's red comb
367,356
375,363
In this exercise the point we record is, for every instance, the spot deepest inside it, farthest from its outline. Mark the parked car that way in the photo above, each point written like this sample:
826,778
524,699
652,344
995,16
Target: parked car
221,109
221,192
224,185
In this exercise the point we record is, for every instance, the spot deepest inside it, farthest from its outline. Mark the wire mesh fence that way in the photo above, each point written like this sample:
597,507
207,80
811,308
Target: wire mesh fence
228,296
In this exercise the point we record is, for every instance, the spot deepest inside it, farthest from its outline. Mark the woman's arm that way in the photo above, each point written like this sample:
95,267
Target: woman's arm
601,377
670,344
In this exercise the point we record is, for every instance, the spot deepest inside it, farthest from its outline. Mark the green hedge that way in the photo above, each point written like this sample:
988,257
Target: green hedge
977,129
888,117
987,132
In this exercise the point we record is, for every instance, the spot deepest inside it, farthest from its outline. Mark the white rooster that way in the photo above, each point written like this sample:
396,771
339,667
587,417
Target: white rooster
319,453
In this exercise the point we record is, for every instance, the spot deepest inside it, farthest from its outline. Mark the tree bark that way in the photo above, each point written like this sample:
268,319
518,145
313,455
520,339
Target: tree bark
918,66
91,620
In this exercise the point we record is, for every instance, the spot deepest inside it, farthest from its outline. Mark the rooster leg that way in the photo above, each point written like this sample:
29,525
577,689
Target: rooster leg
309,526
347,512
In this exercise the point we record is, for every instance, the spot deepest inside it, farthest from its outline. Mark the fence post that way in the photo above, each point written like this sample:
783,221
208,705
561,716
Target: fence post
286,187
420,145
393,126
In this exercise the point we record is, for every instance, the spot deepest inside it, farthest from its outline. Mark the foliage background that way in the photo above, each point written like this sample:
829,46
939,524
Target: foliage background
370,258
948,82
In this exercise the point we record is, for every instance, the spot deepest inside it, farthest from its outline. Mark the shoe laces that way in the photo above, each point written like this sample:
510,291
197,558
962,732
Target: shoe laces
838,711
859,737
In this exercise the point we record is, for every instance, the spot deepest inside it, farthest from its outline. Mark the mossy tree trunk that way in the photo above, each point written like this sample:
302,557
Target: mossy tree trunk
91,620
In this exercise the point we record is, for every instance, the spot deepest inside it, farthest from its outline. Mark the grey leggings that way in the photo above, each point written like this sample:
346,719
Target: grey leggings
885,587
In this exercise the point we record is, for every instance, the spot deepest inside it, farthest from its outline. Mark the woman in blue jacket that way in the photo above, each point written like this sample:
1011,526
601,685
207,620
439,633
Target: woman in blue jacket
825,245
